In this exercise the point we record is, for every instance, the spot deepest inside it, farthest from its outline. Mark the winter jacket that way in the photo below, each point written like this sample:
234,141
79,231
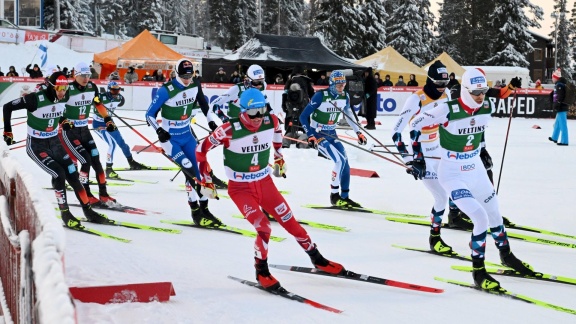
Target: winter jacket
130,77
558,96
12,72
34,74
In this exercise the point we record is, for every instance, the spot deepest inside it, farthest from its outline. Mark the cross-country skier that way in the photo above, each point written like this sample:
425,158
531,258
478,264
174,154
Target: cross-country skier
178,101
247,142
44,109
255,79
430,96
112,99
76,136
461,172
319,122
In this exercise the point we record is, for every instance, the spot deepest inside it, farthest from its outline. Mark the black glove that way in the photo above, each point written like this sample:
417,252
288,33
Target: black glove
66,125
417,168
516,82
312,143
163,136
212,125
486,159
9,138
110,126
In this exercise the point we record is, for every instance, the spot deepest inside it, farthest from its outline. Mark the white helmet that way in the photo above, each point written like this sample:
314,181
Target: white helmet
255,72
473,80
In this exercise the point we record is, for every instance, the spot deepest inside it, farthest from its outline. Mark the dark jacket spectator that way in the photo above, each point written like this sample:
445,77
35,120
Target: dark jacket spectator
452,81
94,74
558,96
159,76
220,76
279,79
387,82
147,77
323,81
66,72
235,78
197,77
130,76
379,82
34,72
1,73
400,82
371,94
412,82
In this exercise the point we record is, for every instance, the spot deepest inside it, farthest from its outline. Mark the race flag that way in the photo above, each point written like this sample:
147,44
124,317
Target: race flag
43,55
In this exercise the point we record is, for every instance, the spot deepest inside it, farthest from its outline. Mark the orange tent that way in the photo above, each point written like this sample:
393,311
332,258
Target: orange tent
144,52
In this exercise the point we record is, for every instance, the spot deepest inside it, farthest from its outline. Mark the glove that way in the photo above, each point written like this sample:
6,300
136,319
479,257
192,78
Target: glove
417,168
397,138
361,138
163,136
110,126
486,159
212,125
516,82
312,143
9,138
279,168
66,125
208,190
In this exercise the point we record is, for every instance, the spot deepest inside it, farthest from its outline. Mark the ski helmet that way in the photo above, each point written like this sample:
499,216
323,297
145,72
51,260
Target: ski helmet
57,82
184,68
253,99
336,77
114,88
473,83
255,72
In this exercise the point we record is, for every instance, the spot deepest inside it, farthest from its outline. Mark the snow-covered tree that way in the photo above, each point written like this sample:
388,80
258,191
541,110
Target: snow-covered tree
513,42
243,21
410,34
565,31
144,14
112,17
291,17
219,22
375,37
450,21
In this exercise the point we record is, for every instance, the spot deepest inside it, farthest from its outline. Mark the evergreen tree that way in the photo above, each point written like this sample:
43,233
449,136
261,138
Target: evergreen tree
144,14
112,18
389,7
220,20
291,17
565,31
406,35
513,43
451,17
243,21
375,38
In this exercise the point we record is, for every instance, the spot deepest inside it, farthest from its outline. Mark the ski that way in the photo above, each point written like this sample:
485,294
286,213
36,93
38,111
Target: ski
453,255
112,184
286,294
130,180
120,208
175,168
539,230
359,277
91,231
505,293
223,228
522,237
311,224
138,226
512,273
363,210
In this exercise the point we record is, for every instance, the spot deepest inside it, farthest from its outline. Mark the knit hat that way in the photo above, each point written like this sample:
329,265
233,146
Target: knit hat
437,71
557,74
538,82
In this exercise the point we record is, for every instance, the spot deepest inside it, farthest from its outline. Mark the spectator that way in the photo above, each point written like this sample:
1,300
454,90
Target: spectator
240,70
1,73
235,77
147,77
34,72
172,75
371,94
538,85
12,72
94,74
412,82
130,76
498,84
453,81
66,72
113,76
387,82
160,77
400,82
197,77
279,79
379,82
558,99
323,81
220,76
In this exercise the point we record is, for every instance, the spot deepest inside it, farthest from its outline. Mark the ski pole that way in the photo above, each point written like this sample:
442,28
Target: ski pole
177,173
506,140
138,152
396,153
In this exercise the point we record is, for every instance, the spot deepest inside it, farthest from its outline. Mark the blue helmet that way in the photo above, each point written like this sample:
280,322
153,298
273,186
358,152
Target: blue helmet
252,99
113,85
336,77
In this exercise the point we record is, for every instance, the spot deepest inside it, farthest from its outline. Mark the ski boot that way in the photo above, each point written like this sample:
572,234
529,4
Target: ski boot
137,166
111,174
460,220
437,245
482,279
202,216
507,222
263,276
95,217
323,264
510,260
69,220
338,201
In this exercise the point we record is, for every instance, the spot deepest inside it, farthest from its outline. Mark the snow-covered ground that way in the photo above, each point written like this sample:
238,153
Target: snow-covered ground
537,189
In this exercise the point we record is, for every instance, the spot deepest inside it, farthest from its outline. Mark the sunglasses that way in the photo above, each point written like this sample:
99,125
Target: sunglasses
256,83
256,112
61,87
477,92
440,83
115,90
185,76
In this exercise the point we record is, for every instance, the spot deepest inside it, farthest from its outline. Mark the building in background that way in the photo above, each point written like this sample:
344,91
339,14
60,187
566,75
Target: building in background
22,12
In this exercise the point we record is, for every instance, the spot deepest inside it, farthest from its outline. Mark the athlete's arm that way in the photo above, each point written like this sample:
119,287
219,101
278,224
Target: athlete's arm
155,106
27,102
308,110
220,135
